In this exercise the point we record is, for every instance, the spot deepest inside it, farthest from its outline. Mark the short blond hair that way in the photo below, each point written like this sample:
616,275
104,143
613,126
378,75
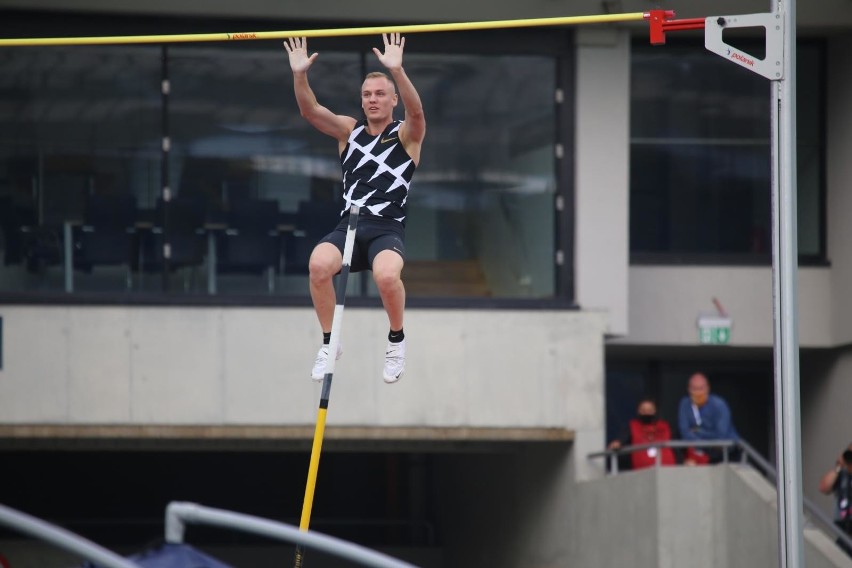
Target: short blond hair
377,74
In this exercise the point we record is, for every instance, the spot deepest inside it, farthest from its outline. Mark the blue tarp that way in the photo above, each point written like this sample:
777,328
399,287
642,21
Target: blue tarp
170,555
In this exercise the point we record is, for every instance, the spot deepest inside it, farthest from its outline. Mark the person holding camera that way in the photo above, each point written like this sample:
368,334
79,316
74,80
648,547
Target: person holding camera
838,480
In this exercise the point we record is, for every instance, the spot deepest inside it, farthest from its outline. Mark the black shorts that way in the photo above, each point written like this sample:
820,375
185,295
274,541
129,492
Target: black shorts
372,236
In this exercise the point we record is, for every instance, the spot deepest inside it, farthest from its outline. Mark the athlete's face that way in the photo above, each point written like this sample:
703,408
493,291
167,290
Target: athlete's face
378,98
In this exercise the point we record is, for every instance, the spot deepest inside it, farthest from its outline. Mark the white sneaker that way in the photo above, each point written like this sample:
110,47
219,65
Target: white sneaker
318,372
394,361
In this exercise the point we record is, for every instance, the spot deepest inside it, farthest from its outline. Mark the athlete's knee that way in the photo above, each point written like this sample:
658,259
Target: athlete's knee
324,263
386,279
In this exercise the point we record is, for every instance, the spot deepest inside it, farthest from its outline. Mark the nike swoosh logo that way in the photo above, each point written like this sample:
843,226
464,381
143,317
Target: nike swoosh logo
386,140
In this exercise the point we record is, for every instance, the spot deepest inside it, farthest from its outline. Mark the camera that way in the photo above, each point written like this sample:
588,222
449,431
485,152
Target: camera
847,457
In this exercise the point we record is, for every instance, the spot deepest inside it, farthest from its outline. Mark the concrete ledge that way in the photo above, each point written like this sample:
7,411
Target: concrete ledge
209,437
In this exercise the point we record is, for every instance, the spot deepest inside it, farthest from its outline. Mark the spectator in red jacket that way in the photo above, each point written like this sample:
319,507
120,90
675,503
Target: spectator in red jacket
646,428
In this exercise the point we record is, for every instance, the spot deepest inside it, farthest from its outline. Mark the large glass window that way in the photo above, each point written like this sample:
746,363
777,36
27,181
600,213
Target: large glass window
481,206
79,127
88,142
269,183
700,157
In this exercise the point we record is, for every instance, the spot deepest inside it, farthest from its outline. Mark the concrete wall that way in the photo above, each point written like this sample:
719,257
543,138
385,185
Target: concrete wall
602,180
115,366
722,516
242,366
752,520
648,518
839,179
665,302
692,518
615,522
124,365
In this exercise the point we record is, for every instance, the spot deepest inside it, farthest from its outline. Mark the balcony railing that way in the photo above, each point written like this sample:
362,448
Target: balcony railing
747,456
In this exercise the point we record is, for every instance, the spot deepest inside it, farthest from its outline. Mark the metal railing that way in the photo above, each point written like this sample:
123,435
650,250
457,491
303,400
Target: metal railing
748,455
62,538
612,455
180,513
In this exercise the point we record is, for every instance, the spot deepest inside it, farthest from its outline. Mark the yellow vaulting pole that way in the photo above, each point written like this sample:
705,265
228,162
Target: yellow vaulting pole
325,395
337,32
313,468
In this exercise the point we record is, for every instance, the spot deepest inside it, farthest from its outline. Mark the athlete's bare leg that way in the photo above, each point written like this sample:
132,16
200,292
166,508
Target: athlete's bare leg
387,271
326,261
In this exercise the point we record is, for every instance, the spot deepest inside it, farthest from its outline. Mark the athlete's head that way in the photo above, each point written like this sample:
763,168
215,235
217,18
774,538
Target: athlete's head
378,96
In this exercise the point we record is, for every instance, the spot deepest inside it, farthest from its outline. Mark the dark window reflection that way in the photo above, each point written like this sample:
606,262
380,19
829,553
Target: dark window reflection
700,157
252,186
79,125
481,206
269,183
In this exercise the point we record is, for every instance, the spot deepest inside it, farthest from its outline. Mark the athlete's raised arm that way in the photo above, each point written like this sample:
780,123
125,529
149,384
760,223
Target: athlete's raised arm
335,125
413,130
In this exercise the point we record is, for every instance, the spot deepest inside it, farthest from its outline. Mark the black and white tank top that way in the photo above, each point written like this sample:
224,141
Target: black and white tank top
377,172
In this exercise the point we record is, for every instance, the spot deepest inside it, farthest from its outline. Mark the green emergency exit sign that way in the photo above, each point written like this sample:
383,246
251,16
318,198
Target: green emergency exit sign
714,330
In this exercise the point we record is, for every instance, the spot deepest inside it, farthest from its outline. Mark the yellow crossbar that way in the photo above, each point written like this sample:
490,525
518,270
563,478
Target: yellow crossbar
336,32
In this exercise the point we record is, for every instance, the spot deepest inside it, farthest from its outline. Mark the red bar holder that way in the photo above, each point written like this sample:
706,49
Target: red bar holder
660,22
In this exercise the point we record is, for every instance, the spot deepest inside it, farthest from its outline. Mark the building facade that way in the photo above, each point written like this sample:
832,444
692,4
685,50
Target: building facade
583,199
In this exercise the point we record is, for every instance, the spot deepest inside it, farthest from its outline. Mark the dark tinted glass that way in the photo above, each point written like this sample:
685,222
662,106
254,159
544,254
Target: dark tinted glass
700,156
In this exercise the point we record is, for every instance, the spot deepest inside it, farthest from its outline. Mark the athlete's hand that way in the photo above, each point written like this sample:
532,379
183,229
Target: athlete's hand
394,45
297,50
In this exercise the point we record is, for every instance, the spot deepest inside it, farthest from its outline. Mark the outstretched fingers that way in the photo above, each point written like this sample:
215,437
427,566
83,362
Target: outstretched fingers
291,44
393,38
392,57
297,50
